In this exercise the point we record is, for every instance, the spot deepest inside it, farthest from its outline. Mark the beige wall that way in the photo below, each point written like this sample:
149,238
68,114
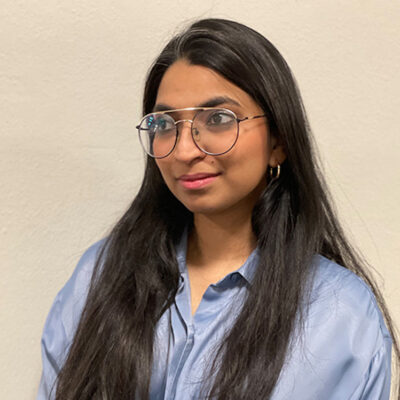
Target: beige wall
71,76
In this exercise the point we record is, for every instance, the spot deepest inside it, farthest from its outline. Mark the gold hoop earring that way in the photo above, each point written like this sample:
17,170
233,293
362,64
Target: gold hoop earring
276,174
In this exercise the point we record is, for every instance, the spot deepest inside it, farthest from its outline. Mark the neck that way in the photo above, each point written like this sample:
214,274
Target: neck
223,239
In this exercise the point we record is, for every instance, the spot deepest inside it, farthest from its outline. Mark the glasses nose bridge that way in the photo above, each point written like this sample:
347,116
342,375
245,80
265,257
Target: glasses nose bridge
184,120
182,145
190,121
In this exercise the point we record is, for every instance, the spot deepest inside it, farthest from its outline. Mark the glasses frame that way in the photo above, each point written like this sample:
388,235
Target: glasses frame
238,120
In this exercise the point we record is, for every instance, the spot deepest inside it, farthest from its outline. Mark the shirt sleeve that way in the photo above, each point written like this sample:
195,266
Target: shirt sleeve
62,321
343,351
54,338
375,384
359,338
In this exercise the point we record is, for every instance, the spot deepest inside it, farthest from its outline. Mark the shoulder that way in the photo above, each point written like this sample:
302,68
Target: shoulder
345,290
344,317
63,319
343,348
67,306
75,290
347,296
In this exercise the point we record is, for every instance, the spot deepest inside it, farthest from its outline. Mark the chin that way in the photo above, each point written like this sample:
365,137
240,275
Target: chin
202,208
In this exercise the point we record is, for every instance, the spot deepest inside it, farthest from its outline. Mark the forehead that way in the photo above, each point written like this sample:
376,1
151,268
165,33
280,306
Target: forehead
185,85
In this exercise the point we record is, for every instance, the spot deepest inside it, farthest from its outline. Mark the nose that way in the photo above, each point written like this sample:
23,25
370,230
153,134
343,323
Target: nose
185,149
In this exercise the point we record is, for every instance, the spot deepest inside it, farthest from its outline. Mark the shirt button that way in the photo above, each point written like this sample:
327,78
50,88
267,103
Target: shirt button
234,277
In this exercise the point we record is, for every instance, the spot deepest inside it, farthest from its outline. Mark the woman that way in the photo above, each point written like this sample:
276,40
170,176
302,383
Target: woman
223,278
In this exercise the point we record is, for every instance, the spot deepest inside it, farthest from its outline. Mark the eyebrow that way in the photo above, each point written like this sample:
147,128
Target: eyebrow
215,101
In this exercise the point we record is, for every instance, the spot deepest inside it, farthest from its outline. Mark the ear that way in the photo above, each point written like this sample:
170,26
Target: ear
278,155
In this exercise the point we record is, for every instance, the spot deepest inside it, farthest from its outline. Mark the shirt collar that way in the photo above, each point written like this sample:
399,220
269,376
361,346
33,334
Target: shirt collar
246,271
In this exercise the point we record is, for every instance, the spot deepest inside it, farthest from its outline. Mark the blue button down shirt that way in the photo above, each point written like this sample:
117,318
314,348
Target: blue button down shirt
345,352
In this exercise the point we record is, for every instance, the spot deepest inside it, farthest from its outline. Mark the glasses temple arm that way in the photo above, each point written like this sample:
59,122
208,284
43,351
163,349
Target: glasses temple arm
249,118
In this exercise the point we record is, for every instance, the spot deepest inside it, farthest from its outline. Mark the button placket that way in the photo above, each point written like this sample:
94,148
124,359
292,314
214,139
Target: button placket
183,308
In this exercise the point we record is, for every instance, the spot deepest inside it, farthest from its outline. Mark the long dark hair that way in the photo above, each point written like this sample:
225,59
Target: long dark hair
136,275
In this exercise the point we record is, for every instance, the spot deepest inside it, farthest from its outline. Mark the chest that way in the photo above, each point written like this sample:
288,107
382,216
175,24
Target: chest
199,283
183,356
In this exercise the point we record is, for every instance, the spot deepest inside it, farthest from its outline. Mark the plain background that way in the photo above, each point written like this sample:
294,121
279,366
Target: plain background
71,80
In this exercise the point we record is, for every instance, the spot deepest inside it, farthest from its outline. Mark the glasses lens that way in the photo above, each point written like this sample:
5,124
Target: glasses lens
215,131
157,133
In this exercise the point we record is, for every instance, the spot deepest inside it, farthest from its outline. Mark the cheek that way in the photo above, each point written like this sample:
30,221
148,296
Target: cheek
164,169
253,155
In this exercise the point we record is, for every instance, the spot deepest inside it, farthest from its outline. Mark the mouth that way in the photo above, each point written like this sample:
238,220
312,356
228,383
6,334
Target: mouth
197,181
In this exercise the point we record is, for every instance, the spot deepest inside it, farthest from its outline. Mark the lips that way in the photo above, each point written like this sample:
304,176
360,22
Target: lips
196,177
197,181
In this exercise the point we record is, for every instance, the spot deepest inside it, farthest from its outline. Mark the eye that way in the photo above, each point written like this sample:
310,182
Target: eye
159,123
218,118
164,124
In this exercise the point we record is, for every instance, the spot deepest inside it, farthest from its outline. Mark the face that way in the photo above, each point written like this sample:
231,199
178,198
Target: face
225,182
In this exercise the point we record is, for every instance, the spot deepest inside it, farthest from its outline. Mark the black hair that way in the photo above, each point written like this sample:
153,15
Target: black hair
136,276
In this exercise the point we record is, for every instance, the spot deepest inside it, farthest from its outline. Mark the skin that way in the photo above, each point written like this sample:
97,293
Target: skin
222,237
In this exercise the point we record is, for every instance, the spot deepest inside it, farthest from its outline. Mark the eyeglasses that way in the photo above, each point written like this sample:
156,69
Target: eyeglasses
214,130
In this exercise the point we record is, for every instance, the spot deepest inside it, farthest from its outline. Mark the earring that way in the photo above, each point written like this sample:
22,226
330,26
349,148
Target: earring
278,172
